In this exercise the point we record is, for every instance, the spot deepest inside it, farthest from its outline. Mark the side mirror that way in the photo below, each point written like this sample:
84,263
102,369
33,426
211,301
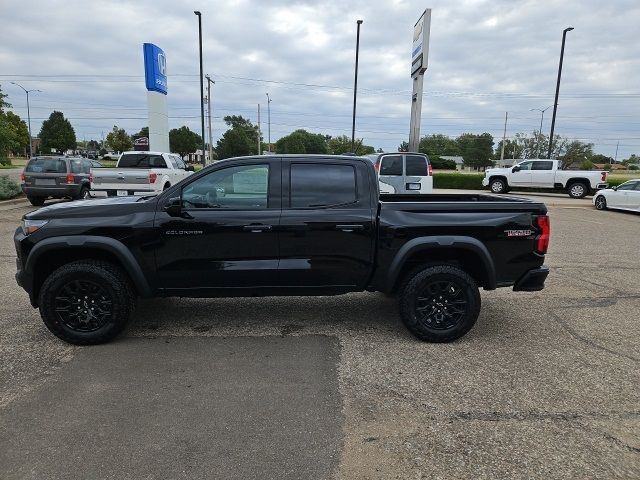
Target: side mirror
515,169
173,207
190,168
614,188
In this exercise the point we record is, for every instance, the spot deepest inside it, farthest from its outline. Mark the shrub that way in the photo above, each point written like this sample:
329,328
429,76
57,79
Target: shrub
5,161
634,167
471,181
441,164
8,188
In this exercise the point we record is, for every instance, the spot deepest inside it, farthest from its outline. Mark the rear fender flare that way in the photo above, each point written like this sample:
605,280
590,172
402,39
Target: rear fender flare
437,242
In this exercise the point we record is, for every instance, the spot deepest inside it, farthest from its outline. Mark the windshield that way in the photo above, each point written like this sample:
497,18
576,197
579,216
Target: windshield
141,160
46,165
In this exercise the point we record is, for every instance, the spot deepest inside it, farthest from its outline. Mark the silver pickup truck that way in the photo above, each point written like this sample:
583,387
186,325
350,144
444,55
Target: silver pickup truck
140,173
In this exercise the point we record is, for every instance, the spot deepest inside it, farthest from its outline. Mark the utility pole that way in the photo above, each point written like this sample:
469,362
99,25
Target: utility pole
269,121
355,90
259,133
504,135
555,104
209,82
615,160
539,142
28,116
201,83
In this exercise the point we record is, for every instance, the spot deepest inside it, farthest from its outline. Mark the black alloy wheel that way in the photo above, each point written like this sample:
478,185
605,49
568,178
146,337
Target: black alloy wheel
83,306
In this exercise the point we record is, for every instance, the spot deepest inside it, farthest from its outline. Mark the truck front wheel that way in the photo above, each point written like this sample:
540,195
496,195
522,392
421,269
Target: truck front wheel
86,302
498,185
439,303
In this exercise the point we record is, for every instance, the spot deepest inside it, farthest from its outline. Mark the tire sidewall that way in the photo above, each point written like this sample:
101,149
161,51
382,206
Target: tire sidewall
500,182
107,280
601,202
584,190
412,289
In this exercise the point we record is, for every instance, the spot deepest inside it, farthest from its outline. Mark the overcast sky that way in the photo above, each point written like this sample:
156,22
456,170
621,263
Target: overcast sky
486,57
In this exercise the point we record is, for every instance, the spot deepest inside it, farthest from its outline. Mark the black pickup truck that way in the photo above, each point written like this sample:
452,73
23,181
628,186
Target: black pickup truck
278,225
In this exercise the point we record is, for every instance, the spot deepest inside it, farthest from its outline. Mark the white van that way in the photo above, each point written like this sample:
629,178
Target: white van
403,173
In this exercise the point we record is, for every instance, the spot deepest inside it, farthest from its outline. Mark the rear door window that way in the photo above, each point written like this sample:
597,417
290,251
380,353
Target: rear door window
417,166
391,165
322,185
46,165
542,166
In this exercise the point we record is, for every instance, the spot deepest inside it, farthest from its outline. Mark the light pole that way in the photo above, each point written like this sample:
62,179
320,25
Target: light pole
269,122
541,110
28,116
355,89
201,83
555,103
209,82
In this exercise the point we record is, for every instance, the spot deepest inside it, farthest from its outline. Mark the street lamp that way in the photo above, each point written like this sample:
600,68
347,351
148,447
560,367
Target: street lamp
555,104
355,90
541,110
201,84
269,122
28,115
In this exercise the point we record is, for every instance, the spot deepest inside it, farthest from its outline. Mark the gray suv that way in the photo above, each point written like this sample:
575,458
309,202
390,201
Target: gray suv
57,177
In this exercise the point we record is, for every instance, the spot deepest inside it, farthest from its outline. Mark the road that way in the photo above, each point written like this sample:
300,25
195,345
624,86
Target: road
547,385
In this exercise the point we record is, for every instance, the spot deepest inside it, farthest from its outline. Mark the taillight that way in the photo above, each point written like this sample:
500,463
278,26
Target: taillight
604,176
544,227
376,166
153,177
90,177
22,176
430,170
71,178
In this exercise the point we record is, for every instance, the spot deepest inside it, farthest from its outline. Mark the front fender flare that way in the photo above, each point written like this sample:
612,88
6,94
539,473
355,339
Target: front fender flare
113,246
438,242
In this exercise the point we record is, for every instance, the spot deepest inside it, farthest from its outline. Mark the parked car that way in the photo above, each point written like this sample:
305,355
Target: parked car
111,156
141,173
541,173
403,173
623,197
57,177
286,225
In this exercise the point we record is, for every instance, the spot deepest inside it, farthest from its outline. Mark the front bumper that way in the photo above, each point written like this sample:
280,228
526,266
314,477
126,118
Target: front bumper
485,182
532,281
23,279
57,191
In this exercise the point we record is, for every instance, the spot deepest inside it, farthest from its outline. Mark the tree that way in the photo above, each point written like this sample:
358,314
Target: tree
403,147
118,139
19,136
476,150
183,141
438,144
93,145
599,158
239,140
342,144
577,152
57,133
302,141
144,132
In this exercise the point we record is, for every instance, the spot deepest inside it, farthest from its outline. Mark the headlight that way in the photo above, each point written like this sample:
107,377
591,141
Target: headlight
30,226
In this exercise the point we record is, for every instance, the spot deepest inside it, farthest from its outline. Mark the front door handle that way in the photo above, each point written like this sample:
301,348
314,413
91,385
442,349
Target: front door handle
349,228
257,228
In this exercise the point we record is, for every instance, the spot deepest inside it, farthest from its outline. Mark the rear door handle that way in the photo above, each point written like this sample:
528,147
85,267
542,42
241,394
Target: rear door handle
257,228
349,228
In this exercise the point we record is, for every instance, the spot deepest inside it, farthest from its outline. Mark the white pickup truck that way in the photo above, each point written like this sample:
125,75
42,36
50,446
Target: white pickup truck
542,173
140,173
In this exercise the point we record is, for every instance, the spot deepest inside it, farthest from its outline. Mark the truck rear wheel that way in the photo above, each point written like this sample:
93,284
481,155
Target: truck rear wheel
439,303
578,190
86,302
35,201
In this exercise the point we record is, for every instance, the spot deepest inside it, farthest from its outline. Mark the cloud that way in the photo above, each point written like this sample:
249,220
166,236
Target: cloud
486,57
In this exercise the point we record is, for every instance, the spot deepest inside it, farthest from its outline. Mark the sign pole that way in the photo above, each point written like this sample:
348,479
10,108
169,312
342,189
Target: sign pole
419,62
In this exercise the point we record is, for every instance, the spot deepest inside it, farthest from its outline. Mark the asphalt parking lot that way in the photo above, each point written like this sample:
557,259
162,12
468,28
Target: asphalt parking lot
547,385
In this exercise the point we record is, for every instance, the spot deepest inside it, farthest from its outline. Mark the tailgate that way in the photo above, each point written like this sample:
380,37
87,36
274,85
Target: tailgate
119,179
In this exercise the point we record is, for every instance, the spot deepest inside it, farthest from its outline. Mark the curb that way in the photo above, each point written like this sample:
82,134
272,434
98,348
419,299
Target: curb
13,201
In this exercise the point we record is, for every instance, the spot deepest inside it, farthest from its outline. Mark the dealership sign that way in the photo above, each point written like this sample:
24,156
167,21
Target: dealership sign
155,68
420,46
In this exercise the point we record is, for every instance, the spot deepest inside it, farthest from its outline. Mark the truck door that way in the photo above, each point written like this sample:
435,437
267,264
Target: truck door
327,224
225,236
521,177
542,173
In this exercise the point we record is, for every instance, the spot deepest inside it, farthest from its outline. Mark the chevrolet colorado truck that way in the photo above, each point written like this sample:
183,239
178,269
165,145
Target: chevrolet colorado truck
285,225
541,173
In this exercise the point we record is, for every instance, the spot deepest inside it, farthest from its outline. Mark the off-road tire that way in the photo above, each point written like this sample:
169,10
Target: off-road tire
412,287
113,281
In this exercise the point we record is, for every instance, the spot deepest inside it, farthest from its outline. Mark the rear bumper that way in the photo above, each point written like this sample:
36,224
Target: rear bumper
532,281
54,191
600,186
